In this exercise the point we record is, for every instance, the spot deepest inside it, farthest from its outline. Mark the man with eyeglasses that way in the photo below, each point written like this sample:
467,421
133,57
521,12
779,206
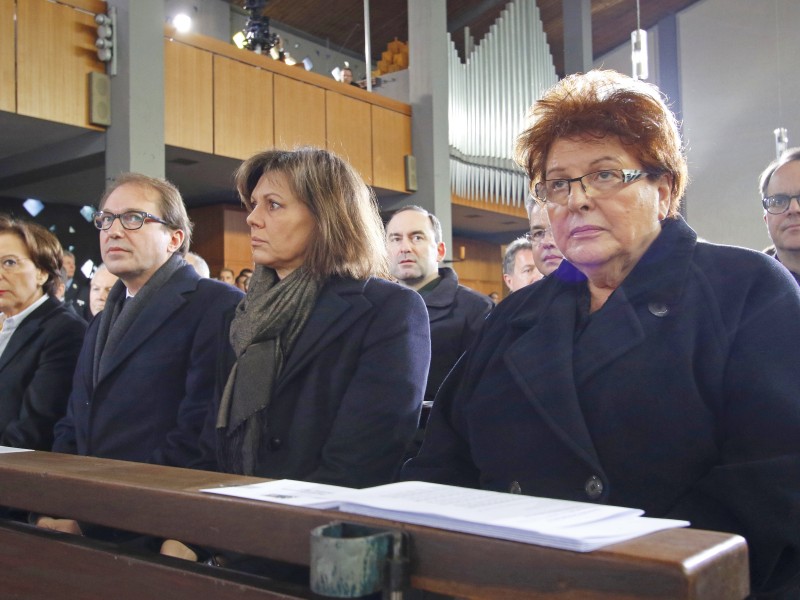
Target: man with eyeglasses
780,193
546,256
146,373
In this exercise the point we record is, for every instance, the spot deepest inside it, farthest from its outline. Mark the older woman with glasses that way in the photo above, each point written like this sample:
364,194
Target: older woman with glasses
649,370
40,339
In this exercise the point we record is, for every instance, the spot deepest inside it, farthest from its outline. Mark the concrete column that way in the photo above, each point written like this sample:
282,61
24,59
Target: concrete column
577,36
428,96
135,139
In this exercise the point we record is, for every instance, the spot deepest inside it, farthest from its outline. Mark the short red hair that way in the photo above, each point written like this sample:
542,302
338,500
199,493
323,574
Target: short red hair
606,103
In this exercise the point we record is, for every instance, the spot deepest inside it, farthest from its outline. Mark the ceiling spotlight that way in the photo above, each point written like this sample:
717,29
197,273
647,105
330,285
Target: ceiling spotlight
33,206
182,22
87,212
87,268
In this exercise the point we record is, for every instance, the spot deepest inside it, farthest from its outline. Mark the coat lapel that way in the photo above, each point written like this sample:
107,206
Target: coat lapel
340,305
161,308
613,331
26,331
544,372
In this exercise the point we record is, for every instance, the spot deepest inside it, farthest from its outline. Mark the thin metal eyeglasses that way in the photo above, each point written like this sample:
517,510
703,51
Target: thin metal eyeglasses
597,185
537,236
779,203
132,219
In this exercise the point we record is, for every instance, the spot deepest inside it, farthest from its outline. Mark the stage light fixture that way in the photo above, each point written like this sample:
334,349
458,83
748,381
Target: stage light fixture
256,35
106,41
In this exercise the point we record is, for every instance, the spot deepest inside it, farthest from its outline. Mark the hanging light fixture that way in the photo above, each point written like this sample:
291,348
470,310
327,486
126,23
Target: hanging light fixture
256,35
639,48
781,140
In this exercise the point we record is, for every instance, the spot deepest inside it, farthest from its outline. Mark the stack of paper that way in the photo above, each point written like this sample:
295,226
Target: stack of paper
577,526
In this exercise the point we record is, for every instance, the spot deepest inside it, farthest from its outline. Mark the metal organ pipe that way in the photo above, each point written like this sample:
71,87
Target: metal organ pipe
489,97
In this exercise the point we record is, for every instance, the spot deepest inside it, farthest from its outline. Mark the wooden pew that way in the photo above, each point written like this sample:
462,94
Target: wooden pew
165,502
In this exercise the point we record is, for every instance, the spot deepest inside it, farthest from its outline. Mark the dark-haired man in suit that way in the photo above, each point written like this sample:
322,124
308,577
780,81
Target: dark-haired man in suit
145,376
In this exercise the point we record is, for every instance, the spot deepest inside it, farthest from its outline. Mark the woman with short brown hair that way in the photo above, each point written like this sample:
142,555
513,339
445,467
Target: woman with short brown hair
40,339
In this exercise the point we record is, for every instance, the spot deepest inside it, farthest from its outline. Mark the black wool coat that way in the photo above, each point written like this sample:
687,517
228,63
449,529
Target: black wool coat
680,397
36,375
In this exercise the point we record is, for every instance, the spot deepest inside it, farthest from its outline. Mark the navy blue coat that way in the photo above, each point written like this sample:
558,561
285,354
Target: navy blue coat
456,314
36,375
347,401
681,397
152,404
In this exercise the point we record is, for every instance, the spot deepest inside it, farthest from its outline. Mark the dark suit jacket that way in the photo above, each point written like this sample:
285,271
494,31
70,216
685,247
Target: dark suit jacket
36,375
681,397
76,295
151,405
347,401
456,315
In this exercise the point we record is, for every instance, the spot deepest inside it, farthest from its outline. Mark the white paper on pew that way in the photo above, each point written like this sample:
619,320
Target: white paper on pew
577,526
288,491
9,450
563,524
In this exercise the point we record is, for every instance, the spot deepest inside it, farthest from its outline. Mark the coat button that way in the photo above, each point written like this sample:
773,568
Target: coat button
514,488
658,309
593,487
275,443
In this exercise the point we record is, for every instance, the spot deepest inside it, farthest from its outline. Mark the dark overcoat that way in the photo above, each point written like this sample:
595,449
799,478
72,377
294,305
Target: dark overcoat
456,315
36,375
681,396
347,401
151,404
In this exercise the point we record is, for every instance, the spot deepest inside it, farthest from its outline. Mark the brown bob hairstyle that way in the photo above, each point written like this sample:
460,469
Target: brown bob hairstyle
604,103
348,240
43,247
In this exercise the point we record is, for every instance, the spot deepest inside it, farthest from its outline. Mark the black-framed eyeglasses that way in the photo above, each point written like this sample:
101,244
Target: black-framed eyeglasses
536,236
779,203
132,219
598,184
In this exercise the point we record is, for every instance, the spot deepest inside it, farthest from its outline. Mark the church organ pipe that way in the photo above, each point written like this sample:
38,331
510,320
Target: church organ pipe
489,95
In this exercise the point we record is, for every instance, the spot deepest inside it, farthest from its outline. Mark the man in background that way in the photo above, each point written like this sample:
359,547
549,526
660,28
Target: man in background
102,282
546,256
76,288
519,269
780,197
456,313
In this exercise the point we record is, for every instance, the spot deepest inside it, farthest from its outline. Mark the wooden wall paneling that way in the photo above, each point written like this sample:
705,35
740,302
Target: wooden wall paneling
482,269
349,128
93,6
243,119
299,114
391,141
55,53
8,74
188,97
208,235
222,237
238,253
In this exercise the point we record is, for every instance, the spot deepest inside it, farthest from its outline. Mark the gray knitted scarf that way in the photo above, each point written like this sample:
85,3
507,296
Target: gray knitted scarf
119,314
267,324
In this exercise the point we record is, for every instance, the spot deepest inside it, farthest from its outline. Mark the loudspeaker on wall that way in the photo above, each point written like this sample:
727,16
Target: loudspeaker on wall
411,172
99,99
